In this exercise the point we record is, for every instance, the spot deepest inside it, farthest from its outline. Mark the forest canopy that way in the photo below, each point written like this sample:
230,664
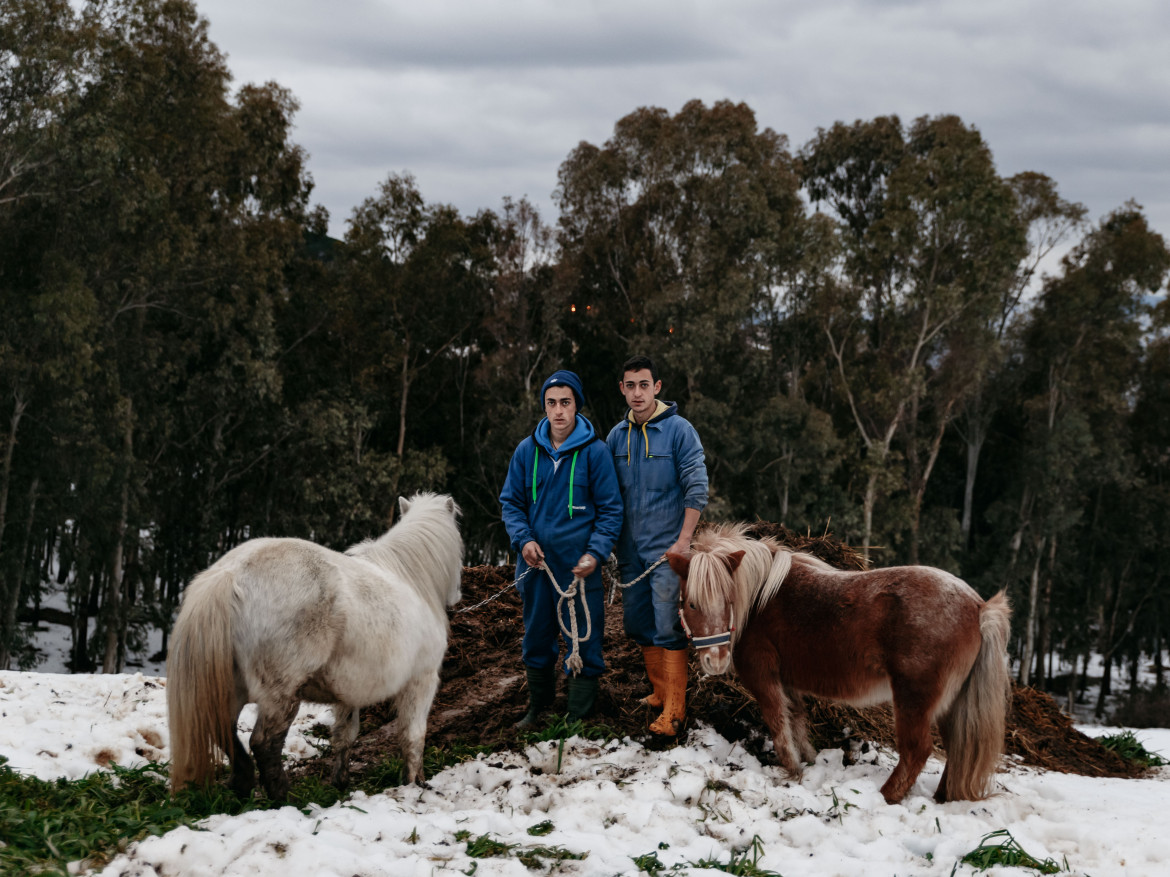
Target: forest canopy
859,328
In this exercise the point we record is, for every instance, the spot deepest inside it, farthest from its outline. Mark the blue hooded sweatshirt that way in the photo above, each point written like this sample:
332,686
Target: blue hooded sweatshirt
566,499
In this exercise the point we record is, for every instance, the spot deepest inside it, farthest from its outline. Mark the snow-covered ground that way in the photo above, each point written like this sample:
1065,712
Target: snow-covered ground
703,800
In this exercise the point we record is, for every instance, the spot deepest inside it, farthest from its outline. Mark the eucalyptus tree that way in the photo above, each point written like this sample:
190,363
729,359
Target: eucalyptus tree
519,340
673,235
1150,431
416,276
154,246
1049,220
931,235
787,446
45,336
1082,357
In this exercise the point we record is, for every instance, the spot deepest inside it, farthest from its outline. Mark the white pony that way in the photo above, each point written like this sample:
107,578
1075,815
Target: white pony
278,621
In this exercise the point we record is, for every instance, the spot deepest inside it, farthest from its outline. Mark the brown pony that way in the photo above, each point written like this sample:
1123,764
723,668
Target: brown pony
913,634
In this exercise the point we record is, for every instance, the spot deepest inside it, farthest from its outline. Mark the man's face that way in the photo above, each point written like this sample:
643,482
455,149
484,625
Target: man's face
561,409
640,388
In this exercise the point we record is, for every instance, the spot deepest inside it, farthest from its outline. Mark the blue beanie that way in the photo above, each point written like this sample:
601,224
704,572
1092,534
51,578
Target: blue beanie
568,379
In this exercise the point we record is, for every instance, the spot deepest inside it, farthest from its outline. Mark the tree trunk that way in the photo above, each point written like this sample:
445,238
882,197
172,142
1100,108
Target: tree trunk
1106,686
13,598
867,514
974,449
1044,632
91,582
1017,539
115,610
1159,669
1030,626
9,590
1106,643
18,408
921,476
402,405
785,484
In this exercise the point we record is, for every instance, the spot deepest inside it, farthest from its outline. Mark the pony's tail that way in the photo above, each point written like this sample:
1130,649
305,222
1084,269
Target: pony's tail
200,680
978,716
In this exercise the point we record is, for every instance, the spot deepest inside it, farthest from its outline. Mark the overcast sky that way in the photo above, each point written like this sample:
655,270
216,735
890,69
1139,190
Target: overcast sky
482,99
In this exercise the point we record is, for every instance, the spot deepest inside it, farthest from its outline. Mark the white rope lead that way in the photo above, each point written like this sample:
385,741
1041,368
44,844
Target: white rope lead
623,586
573,662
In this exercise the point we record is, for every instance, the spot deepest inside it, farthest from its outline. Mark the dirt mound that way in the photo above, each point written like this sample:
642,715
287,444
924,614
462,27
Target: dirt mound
483,690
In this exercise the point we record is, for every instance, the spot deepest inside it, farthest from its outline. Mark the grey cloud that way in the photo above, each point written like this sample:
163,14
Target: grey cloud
484,99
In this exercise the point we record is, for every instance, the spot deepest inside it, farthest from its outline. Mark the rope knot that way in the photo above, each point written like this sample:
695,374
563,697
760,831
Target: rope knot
573,662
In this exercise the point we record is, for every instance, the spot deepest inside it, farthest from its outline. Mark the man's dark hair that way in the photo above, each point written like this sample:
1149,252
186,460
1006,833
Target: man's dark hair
636,364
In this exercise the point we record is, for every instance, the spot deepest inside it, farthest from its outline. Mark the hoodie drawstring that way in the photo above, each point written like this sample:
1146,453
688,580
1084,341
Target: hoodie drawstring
645,440
572,472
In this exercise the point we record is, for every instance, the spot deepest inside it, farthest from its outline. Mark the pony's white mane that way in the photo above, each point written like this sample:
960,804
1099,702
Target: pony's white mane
710,586
423,548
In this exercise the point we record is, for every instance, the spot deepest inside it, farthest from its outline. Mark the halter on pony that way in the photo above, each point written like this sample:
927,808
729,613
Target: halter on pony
715,639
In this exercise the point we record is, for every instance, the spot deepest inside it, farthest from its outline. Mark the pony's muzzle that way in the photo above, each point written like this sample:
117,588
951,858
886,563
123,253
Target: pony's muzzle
715,659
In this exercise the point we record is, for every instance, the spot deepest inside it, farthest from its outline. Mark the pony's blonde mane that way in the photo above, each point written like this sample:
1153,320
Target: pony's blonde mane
423,548
710,586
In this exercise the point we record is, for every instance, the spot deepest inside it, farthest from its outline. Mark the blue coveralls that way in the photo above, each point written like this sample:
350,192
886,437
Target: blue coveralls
661,471
568,501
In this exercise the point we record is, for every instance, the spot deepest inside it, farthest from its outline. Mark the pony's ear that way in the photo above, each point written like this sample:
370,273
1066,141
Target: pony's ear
403,505
680,563
450,505
734,560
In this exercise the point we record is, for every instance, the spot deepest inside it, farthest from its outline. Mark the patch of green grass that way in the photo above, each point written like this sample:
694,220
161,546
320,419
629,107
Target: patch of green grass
743,862
532,857
541,828
484,847
47,824
562,727
487,847
1007,851
840,808
1130,748
651,864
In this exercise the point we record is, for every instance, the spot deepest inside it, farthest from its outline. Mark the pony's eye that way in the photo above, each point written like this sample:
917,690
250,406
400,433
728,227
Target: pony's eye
691,606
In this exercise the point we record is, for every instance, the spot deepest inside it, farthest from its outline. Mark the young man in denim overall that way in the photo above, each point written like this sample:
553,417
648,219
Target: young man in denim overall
659,462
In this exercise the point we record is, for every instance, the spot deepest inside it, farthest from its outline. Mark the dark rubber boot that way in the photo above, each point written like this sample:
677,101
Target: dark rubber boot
582,696
542,689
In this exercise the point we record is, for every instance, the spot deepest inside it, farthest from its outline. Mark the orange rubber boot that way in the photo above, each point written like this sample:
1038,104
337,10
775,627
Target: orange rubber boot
674,695
652,655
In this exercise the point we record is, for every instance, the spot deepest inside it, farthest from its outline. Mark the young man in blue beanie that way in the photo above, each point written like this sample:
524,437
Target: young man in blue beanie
563,510
663,477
